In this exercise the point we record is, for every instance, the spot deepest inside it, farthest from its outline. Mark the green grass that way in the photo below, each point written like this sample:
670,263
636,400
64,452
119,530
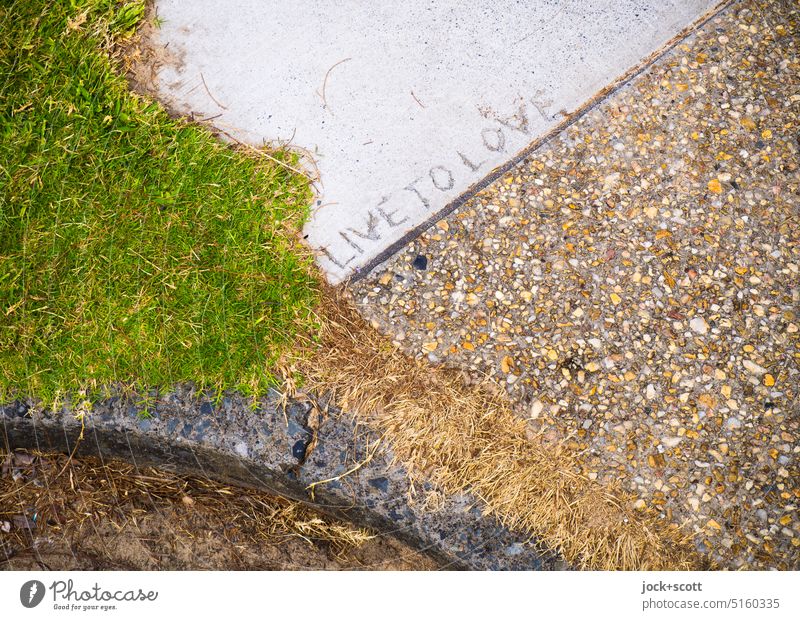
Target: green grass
135,250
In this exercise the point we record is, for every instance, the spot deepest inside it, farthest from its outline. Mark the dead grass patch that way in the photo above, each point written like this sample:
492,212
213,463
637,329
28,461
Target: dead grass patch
466,437
57,498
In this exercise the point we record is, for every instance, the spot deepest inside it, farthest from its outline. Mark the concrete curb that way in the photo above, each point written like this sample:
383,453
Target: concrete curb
276,451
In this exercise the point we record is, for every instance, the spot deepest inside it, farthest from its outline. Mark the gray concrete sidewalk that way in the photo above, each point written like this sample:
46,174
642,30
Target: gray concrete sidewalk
402,106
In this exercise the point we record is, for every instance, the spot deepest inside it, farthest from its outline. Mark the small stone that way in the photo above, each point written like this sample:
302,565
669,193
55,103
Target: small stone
698,325
769,380
707,400
420,262
733,423
754,368
536,408
715,186
650,391
616,299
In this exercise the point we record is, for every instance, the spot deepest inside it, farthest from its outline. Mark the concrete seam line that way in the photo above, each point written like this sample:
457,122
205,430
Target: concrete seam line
567,122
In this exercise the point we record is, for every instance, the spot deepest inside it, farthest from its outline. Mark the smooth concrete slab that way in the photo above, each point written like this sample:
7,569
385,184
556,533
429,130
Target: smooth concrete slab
404,106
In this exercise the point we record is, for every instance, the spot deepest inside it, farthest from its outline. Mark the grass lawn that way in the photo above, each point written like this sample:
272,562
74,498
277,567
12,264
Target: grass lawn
135,249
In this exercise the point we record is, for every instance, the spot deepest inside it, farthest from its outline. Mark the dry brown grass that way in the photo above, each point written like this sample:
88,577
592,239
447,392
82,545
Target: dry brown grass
57,498
466,437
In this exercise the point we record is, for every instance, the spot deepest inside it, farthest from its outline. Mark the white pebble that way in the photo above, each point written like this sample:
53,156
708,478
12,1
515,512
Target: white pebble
733,423
698,325
754,368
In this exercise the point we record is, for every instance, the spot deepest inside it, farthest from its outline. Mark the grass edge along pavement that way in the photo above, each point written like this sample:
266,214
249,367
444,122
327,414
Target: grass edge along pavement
462,437
467,437
136,250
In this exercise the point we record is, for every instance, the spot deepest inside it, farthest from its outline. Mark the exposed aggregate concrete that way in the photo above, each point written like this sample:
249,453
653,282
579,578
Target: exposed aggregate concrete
635,285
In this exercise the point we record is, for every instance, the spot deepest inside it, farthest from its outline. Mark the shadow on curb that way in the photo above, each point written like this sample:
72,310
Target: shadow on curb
334,465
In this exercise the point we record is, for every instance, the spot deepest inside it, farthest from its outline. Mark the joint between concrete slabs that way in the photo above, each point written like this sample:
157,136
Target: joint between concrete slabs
269,451
362,272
